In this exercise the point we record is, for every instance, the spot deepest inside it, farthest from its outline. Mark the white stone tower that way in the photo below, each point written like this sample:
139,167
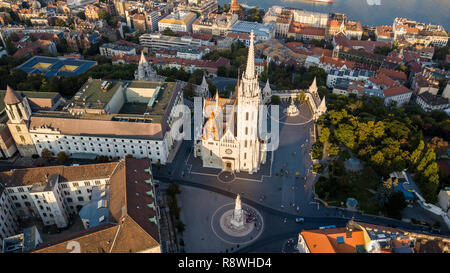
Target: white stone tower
203,89
145,71
249,100
238,214
19,113
267,92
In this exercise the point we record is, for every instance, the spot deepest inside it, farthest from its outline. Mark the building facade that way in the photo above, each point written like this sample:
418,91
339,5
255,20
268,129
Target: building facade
221,145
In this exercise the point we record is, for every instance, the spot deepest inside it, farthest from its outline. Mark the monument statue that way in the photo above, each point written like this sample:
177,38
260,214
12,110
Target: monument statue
237,220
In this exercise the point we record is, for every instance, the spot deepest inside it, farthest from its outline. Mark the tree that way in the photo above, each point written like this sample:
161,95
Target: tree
222,71
301,96
173,189
415,156
324,135
438,144
181,227
396,203
168,32
385,50
102,158
10,47
333,150
62,157
429,156
275,100
345,135
46,154
189,90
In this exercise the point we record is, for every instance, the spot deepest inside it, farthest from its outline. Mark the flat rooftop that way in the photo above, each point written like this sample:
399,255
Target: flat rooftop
93,96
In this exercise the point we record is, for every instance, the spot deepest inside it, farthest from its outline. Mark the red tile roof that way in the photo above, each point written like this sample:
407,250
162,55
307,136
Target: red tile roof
393,74
382,79
336,62
395,91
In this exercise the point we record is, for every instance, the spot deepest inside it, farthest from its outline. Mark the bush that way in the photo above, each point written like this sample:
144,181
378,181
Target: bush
181,227
317,151
102,158
62,157
47,155
275,100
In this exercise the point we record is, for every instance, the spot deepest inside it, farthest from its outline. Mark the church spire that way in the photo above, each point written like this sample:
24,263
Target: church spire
142,60
250,70
11,96
313,88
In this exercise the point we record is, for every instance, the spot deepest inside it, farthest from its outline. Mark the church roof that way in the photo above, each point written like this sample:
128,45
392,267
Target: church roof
11,96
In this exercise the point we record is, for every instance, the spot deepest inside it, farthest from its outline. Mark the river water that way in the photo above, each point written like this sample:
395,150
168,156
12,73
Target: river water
368,12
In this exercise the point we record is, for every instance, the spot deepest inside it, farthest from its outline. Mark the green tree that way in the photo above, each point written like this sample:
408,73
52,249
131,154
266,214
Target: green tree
429,156
415,156
46,154
169,32
333,150
275,100
173,189
396,203
62,157
301,96
324,135
345,135
181,227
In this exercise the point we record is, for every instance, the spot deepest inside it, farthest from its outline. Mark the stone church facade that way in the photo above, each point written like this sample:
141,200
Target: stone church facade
230,139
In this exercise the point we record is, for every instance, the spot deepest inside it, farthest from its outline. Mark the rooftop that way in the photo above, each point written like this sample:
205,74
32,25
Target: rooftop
132,225
55,66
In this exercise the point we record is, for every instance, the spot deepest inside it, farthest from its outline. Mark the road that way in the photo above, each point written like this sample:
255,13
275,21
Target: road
277,231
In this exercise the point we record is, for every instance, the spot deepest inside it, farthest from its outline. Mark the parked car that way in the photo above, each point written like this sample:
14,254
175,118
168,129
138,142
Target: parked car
299,220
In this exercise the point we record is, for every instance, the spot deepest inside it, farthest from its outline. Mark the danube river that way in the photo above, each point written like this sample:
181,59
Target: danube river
368,12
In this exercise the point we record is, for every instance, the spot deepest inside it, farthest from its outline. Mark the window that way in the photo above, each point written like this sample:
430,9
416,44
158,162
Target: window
246,116
246,130
18,129
81,199
69,200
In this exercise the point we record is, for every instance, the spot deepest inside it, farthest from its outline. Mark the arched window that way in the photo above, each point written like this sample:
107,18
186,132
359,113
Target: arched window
18,129
22,139
11,112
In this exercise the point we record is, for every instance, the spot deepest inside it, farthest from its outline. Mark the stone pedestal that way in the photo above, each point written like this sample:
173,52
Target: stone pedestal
237,219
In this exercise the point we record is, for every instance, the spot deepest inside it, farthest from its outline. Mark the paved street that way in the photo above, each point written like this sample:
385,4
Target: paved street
270,193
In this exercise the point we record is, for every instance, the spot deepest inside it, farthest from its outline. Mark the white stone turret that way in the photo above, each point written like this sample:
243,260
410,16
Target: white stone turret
145,71
238,215
267,92
203,89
